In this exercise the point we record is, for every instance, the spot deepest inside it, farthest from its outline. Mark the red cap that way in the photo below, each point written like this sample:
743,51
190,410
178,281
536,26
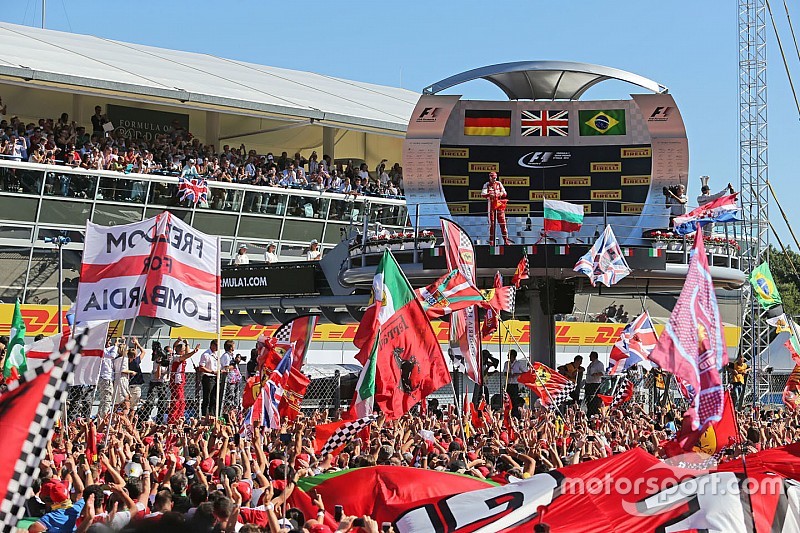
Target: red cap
304,457
483,470
273,465
279,484
55,491
320,528
246,491
472,456
207,465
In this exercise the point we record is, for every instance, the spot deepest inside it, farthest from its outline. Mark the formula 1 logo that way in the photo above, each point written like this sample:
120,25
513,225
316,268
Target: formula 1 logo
428,114
660,114
544,159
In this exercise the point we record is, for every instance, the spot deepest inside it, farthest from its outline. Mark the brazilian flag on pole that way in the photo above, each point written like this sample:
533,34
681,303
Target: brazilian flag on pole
16,363
764,286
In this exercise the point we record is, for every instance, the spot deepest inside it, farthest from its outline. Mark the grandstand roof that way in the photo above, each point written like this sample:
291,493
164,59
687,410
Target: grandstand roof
84,62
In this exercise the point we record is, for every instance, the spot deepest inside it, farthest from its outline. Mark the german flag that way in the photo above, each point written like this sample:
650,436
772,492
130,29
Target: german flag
487,123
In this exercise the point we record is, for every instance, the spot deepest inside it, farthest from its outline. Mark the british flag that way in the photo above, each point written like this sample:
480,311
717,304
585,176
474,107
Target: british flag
274,390
635,343
194,190
545,123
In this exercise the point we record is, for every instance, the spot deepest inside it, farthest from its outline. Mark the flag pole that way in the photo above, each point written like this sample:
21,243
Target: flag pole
219,331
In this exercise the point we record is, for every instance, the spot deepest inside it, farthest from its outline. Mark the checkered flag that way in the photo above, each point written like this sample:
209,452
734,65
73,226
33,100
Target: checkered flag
346,432
551,387
561,395
31,404
623,394
284,333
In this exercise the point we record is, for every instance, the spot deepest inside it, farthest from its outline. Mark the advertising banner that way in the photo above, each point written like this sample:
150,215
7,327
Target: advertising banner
135,123
160,267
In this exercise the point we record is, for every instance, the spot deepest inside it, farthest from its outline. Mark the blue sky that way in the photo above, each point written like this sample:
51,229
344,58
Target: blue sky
689,46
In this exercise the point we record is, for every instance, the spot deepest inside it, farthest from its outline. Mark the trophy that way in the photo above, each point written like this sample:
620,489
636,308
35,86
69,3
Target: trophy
704,181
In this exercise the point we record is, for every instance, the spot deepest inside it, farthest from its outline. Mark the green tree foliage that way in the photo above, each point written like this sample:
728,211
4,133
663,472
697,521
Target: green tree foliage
786,279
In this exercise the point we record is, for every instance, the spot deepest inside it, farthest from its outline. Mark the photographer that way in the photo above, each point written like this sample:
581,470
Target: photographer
157,392
676,201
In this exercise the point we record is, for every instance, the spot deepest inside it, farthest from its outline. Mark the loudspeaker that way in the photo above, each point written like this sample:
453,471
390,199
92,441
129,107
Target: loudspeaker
557,298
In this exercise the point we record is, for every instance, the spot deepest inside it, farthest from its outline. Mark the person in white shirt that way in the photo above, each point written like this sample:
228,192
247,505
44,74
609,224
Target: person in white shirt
314,253
208,375
105,383
270,256
514,368
241,257
594,376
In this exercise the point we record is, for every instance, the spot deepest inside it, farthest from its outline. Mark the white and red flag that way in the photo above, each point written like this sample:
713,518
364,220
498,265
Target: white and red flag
635,343
87,369
692,346
160,267
465,334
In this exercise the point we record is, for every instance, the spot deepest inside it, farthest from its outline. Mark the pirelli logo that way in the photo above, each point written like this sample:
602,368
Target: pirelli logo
635,180
484,167
632,209
541,195
607,194
614,166
475,195
515,181
518,209
576,181
630,153
461,181
454,153
458,209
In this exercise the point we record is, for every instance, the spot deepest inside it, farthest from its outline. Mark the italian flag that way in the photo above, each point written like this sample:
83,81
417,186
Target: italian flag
16,363
403,362
562,216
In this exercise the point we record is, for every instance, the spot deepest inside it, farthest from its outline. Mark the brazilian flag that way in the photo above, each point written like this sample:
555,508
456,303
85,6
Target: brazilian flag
603,122
764,286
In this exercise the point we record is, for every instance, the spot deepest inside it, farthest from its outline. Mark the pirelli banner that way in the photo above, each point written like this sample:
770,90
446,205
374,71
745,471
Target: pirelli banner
612,156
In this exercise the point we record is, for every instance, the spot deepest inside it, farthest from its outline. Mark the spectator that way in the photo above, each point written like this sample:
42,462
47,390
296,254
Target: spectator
594,376
314,253
136,378
676,201
738,374
574,372
98,119
241,256
270,256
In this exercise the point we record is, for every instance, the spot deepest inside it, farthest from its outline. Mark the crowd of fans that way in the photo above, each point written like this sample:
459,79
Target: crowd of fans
64,142
134,470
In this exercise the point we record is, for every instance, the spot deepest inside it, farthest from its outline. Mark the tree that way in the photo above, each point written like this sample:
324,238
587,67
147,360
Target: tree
786,278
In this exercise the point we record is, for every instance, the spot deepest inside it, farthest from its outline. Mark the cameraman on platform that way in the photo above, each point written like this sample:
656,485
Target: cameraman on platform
676,201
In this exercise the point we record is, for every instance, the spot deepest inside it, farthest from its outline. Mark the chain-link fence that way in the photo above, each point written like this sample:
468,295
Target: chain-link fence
165,402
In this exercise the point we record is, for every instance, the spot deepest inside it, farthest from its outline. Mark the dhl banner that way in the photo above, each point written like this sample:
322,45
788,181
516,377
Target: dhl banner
567,333
44,319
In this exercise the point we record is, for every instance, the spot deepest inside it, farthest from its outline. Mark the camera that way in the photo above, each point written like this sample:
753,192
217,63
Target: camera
159,355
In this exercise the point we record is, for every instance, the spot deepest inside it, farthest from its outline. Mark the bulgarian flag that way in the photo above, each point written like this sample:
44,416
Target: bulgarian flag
403,362
16,363
562,216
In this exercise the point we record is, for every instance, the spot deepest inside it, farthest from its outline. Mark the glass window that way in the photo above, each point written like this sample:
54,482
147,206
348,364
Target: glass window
260,227
69,185
111,215
225,245
336,232
183,214
69,212
16,232
23,181
18,208
122,189
13,265
214,224
264,202
292,251
163,193
301,230
225,199
73,235
308,207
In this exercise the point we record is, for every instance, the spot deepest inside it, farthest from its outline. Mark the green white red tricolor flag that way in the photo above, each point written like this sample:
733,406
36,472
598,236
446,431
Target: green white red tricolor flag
402,360
562,216
16,363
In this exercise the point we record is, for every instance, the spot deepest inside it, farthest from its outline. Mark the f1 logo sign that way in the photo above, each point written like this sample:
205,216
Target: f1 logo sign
660,114
428,114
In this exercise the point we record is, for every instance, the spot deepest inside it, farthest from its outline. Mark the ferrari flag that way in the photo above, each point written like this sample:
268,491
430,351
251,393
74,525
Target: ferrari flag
551,387
452,292
409,364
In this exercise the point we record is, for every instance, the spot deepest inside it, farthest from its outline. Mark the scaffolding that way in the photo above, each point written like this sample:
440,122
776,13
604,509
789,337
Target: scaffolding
753,178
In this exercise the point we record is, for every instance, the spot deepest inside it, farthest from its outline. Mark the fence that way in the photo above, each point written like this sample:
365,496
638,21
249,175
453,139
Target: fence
337,391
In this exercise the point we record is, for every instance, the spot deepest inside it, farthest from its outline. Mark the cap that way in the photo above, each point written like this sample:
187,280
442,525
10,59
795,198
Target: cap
191,160
273,466
54,491
279,484
301,461
314,241
243,245
245,490
457,466
287,523
270,157
207,465
133,469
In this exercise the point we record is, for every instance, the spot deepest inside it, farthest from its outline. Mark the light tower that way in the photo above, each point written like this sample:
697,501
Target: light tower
753,176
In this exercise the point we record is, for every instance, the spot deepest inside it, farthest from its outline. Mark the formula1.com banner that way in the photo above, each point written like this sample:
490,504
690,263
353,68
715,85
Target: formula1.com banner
160,267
